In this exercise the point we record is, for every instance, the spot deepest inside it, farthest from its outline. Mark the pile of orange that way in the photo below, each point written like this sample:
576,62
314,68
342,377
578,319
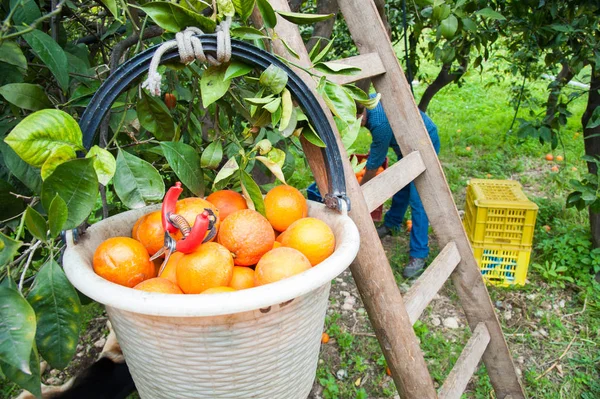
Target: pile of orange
245,253
360,174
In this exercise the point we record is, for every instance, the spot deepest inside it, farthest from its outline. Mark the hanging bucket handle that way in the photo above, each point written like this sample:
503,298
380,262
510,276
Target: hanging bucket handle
137,66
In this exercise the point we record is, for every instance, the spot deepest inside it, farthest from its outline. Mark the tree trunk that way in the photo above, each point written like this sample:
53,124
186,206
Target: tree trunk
323,29
592,143
444,78
295,5
562,79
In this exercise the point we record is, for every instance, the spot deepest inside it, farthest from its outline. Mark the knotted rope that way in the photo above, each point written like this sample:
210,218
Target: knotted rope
190,48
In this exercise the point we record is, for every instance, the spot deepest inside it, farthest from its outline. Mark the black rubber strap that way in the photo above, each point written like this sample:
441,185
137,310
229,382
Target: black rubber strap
137,66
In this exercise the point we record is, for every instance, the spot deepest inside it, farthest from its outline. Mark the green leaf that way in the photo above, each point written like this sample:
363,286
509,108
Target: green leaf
57,308
59,156
227,170
112,7
247,33
449,26
287,106
469,25
213,84
25,95
225,8
268,15
36,224
237,69
76,183
273,106
174,18
251,191
185,162
243,8
260,100
291,127
289,49
26,13
51,54
212,155
27,174
57,215
321,53
274,78
303,19
10,205
36,137
17,329
11,53
334,68
274,161
312,137
9,249
348,131
491,14
105,164
339,102
137,183
155,117
29,382
594,120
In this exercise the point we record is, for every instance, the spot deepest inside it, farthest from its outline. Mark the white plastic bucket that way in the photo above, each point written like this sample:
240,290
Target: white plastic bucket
257,343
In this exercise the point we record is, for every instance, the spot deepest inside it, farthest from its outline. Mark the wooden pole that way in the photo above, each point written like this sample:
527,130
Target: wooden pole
371,270
369,34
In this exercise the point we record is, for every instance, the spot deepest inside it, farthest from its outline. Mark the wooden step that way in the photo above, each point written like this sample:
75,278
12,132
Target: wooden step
424,289
465,366
370,65
382,187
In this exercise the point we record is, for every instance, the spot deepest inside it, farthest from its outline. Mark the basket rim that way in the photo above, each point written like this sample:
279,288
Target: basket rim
82,276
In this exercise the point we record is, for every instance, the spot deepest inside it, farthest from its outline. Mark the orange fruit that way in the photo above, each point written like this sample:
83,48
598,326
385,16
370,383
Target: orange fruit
218,290
409,224
248,235
191,207
559,158
159,284
324,338
284,205
170,270
388,371
211,265
276,244
149,232
554,169
549,157
243,277
123,261
547,228
312,237
468,148
574,169
227,202
279,237
379,171
278,264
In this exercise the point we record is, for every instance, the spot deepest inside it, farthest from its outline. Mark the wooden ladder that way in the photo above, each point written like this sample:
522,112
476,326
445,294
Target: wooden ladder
391,315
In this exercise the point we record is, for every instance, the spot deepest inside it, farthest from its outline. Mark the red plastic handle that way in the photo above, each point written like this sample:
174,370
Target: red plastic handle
194,239
168,207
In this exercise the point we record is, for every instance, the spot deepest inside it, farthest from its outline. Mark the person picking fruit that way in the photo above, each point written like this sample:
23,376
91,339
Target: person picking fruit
383,138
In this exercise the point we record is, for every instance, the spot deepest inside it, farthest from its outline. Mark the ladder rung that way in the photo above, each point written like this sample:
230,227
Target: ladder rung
424,289
370,65
379,189
465,366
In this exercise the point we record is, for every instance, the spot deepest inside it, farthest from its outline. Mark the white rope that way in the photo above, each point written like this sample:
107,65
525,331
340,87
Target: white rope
190,48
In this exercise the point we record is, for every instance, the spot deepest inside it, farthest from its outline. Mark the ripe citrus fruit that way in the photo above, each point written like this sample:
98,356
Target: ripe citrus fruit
559,158
191,207
243,277
211,265
248,235
312,237
227,202
148,230
170,270
276,244
278,264
124,261
554,169
409,225
324,338
284,205
159,284
219,290
468,148
549,157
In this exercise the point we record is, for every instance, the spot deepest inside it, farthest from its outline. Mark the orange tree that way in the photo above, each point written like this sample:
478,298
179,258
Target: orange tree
214,126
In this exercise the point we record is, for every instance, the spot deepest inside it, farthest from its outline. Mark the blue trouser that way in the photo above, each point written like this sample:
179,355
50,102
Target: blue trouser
419,235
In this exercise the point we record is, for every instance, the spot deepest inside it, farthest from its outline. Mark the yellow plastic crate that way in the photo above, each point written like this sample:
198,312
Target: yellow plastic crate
497,212
503,265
